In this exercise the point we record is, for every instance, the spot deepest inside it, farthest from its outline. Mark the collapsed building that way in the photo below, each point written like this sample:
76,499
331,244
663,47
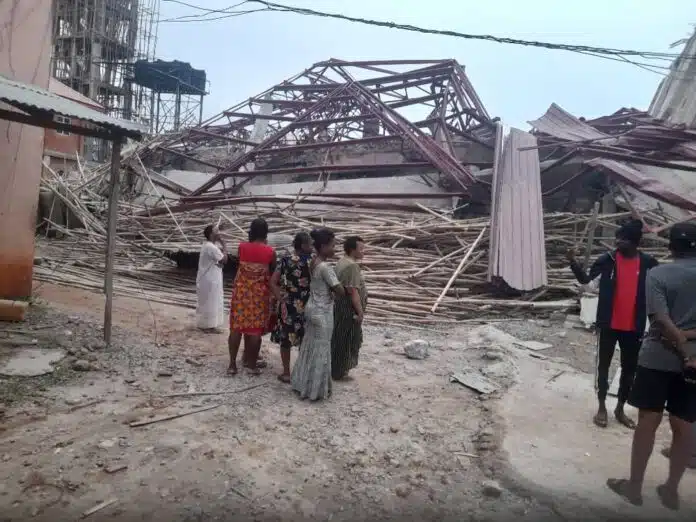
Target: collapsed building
463,217
422,125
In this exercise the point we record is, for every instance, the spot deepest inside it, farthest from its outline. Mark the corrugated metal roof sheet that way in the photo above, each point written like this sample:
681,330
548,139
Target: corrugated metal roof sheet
31,97
57,87
563,125
518,251
675,99
671,186
688,149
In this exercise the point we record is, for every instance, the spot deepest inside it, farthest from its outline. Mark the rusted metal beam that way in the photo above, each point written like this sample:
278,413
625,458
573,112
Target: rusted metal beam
469,136
414,77
244,159
640,160
380,62
191,158
331,145
369,168
341,195
313,200
232,139
254,117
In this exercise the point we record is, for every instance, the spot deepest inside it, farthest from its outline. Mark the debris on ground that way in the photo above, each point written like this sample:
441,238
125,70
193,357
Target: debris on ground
475,381
417,349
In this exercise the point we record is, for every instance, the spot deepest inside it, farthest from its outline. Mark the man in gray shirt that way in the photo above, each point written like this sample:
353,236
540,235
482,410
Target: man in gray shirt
666,375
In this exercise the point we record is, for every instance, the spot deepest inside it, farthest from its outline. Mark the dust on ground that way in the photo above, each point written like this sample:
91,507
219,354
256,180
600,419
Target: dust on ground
397,442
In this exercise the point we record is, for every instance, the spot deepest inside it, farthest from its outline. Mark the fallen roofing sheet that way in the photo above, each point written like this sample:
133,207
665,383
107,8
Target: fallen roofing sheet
643,181
563,125
688,149
518,253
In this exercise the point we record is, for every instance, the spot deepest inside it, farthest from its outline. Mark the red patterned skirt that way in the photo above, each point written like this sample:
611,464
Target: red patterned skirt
250,307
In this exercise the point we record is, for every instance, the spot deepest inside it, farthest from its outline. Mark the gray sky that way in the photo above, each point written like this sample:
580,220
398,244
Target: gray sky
245,55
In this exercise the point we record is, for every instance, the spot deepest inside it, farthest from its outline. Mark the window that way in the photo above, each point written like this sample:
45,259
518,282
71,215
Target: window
66,121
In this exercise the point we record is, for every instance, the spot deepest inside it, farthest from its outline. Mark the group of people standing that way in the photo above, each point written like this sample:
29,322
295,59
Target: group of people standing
658,367
300,299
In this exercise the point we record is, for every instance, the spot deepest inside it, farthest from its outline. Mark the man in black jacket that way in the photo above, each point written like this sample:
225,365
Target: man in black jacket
621,313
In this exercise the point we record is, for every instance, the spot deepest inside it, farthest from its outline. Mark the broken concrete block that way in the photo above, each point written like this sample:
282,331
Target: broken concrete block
491,489
13,310
81,365
417,349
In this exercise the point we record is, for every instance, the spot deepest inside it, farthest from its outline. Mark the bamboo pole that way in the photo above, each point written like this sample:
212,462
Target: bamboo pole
115,189
457,271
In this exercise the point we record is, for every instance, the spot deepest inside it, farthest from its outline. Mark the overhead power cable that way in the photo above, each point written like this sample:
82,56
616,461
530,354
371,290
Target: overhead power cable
621,55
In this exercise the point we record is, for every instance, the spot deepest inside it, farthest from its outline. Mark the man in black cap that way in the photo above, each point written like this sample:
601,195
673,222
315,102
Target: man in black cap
666,375
621,313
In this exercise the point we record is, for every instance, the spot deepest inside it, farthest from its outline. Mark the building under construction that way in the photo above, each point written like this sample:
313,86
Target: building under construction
105,50
95,43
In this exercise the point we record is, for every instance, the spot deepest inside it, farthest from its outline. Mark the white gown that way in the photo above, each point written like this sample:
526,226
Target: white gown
210,308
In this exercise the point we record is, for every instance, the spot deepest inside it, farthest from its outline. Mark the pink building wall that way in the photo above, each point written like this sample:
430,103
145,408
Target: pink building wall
25,46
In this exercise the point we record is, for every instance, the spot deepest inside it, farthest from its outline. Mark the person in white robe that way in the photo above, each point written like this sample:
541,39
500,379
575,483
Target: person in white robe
210,313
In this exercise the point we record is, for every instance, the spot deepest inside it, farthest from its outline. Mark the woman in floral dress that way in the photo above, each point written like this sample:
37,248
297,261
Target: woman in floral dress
290,283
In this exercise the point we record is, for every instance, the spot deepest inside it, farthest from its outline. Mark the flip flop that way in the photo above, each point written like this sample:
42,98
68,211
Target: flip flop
669,500
231,372
621,488
284,378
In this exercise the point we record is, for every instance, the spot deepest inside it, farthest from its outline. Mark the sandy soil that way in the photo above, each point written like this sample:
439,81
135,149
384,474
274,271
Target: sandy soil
397,442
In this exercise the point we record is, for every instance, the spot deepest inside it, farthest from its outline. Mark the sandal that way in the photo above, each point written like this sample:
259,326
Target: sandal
231,371
254,371
285,378
622,488
669,499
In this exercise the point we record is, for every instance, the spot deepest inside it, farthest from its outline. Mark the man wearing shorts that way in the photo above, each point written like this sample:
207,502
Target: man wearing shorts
666,367
692,462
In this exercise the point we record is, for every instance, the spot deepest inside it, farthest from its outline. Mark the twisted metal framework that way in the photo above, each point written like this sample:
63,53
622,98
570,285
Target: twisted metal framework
426,110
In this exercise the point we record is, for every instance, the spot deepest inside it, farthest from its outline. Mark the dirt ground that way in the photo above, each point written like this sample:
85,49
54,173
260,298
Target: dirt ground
397,442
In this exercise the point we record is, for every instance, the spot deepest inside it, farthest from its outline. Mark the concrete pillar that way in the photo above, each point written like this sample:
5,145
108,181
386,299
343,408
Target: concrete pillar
28,26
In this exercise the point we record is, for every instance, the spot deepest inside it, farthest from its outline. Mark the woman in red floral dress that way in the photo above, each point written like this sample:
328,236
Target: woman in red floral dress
250,307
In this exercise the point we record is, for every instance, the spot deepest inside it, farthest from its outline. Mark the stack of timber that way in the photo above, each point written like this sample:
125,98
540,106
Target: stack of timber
421,267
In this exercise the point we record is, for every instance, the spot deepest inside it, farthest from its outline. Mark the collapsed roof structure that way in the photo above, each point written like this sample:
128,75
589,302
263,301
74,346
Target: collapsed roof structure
461,216
341,120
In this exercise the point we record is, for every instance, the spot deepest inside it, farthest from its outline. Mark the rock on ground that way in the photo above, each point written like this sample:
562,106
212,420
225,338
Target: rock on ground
417,349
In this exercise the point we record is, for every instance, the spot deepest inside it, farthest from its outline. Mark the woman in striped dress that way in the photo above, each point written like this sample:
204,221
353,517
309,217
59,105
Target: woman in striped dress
348,310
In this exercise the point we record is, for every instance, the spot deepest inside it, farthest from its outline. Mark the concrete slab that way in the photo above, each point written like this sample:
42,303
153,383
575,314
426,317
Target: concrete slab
570,458
31,362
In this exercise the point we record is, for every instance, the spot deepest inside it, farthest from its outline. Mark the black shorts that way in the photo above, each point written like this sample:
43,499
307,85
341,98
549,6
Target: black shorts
656,390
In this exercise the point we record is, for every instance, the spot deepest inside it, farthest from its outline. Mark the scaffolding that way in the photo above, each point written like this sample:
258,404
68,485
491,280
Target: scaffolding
95,45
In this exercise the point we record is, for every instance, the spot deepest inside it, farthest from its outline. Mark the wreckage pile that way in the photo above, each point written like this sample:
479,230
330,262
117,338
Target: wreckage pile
421,267
368,127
